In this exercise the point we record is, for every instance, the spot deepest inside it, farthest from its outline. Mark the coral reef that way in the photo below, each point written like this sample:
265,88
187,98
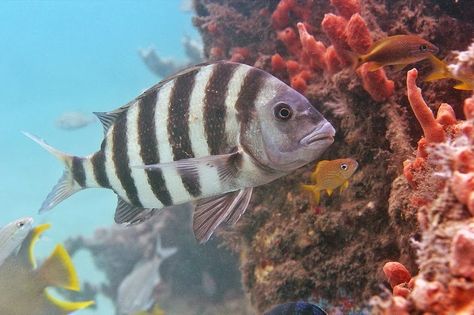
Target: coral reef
441,177
290,250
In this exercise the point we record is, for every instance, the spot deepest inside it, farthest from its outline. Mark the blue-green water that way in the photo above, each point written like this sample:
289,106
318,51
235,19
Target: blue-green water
60,56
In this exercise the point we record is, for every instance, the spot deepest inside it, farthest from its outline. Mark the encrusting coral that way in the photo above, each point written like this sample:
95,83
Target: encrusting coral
445,281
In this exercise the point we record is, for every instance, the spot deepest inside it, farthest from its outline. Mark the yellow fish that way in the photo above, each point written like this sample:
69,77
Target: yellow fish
441,71
328,175
23,285
397,50
155,311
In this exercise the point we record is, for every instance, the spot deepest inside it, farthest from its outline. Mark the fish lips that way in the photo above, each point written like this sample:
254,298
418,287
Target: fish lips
324,133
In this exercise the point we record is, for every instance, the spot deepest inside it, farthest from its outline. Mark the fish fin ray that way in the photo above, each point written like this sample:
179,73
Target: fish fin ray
66,307
245,200
329,191
440,70
344,186
211,212
130,214
58,270
226,164
66,186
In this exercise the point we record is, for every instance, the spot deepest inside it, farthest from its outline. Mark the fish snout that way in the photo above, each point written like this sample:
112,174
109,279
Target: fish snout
322,133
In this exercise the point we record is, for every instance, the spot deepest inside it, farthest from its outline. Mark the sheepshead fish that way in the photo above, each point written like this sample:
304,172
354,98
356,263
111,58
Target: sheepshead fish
12,235
208,134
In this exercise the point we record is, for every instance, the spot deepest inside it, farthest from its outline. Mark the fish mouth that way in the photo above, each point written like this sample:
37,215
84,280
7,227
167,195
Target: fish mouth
325,133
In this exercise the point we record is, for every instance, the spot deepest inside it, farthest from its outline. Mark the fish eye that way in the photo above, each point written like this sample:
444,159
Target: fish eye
20,224
283,111
344,166
423,47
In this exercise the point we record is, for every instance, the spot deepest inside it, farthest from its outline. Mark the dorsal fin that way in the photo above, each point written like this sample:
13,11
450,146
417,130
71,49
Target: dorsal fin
108,118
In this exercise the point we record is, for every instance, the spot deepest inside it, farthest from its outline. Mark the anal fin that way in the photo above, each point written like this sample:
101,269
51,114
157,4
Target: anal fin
130,214
211,212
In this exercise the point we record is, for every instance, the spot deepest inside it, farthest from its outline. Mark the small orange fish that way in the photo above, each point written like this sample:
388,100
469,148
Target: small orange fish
442,71
328,175
397,50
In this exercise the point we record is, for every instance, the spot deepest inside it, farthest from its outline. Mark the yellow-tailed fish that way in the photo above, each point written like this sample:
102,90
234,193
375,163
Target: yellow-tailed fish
329,175
441,71
12,235
155,311
398,51
23,284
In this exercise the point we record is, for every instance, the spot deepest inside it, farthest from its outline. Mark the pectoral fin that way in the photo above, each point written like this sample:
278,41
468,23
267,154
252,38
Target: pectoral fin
344,186
329,191
227,165
58,270
127,213
211,212
64,307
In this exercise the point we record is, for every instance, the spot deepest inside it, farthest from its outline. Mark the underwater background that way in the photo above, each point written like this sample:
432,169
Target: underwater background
72,56
395,238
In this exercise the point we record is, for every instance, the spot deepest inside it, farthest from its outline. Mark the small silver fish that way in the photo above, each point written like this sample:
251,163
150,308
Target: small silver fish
207,135
74,120
12,235
135,292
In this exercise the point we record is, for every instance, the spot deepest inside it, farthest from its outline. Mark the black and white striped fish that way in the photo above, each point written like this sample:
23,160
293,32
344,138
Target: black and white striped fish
208,134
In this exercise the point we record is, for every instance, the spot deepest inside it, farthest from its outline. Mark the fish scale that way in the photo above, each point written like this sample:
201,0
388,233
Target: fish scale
208,134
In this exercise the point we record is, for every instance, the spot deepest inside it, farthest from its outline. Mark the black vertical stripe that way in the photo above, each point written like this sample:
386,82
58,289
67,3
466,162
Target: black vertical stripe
245,104
178,127
121,161
149,146
214,107
98,165
78,171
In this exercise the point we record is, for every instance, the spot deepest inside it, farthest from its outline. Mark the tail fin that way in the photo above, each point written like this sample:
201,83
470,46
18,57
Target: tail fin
65,307
58,270
440,70
66,185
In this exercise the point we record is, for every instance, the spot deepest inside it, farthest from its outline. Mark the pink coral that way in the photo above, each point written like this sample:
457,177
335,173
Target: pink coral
396,273
358,34
462,254
432,130
347,8
376,83
335,28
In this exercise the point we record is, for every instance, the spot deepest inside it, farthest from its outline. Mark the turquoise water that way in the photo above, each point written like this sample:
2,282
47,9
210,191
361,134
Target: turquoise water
61,56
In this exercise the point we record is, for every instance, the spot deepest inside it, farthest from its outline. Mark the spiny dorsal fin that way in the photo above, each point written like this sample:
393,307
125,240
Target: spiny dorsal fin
108,118
58,270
